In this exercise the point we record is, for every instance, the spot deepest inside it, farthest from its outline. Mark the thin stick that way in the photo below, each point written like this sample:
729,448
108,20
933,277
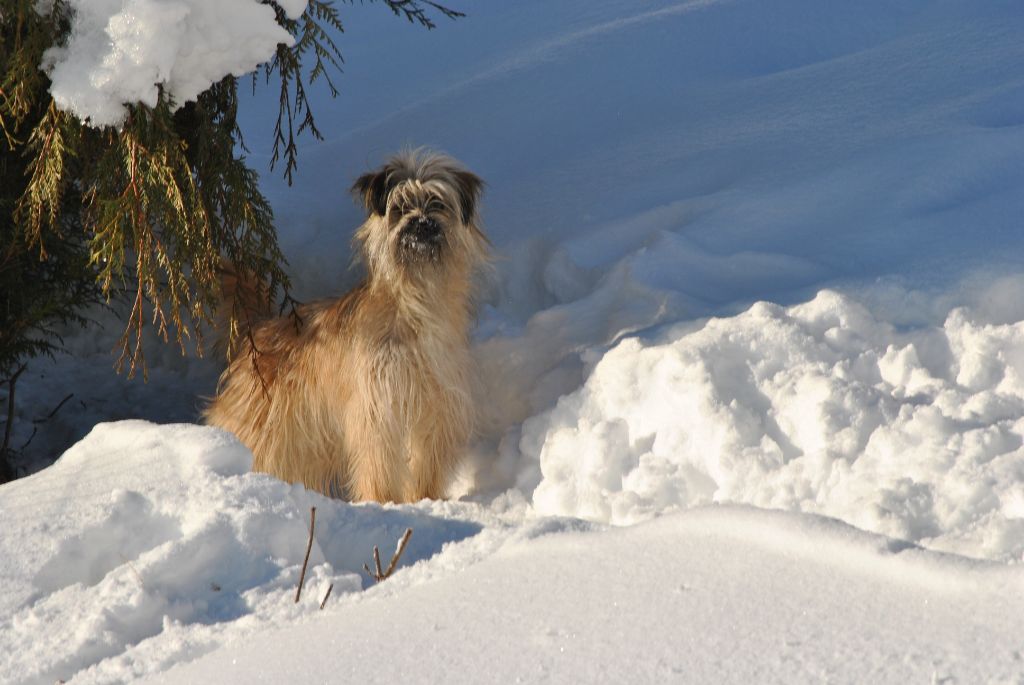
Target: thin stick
37,422
379,575
322,603
398,552
35,429
309,546
55,410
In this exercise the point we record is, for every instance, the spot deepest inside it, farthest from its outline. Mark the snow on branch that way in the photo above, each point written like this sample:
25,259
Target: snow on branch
126,51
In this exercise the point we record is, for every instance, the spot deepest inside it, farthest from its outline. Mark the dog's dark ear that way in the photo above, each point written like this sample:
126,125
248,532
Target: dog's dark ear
469,187
372,189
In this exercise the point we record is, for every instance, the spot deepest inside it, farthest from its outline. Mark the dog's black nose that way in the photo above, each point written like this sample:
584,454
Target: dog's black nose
422,237
425,229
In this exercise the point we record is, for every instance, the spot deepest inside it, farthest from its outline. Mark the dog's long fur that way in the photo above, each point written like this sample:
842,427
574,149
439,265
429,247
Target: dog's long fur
369,397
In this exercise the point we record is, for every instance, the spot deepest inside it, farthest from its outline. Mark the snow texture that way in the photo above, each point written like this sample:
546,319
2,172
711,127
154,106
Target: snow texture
150,547
818,407
125,51
722,595
145,545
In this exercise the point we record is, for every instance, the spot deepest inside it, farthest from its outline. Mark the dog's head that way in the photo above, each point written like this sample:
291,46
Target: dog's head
421,217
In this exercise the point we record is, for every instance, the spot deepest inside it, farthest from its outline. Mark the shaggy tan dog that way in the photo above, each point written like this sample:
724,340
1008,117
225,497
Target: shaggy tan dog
369,396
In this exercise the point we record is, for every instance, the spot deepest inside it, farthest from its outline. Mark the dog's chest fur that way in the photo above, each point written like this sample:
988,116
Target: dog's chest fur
424,360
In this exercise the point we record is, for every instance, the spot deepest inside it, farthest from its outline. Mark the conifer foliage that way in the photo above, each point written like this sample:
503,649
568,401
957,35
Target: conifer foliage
146,213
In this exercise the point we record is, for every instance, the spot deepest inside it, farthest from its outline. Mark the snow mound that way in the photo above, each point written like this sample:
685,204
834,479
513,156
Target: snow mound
146,545
124,51
819,408
714,595
151,552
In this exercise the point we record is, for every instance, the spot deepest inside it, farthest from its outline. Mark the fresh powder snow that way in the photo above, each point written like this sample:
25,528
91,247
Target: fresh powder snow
752,363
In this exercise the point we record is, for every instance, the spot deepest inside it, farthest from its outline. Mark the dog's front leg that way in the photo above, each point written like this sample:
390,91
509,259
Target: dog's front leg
437,442
377,466
431,464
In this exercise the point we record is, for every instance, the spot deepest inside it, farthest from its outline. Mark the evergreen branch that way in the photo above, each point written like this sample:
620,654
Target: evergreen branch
417,11
320,16
313,37
41,202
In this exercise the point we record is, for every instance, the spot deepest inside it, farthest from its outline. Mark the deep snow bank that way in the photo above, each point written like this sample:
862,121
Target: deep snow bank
149,547
819,407
145,545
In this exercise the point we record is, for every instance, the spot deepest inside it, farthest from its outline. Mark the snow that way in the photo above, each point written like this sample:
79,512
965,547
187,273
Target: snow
741,596
146,547
753,372
125,51
818,407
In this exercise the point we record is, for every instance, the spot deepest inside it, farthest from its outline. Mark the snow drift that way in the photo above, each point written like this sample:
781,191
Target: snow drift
819,407
151,552
146,545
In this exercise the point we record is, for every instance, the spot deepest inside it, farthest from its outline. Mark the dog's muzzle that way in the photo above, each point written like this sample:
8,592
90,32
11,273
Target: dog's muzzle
422,237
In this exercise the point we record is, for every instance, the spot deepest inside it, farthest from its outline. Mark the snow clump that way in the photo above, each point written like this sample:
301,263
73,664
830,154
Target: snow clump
124,51
817,408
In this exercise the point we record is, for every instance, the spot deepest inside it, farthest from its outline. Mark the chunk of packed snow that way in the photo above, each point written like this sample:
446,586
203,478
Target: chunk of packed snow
124,51
817,407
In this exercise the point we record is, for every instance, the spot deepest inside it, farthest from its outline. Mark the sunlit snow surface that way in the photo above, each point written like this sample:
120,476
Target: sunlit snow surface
818,408
751,256
147,547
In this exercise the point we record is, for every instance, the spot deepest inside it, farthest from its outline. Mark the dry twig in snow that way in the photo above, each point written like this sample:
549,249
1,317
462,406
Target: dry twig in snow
309,546
328,594
379,575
